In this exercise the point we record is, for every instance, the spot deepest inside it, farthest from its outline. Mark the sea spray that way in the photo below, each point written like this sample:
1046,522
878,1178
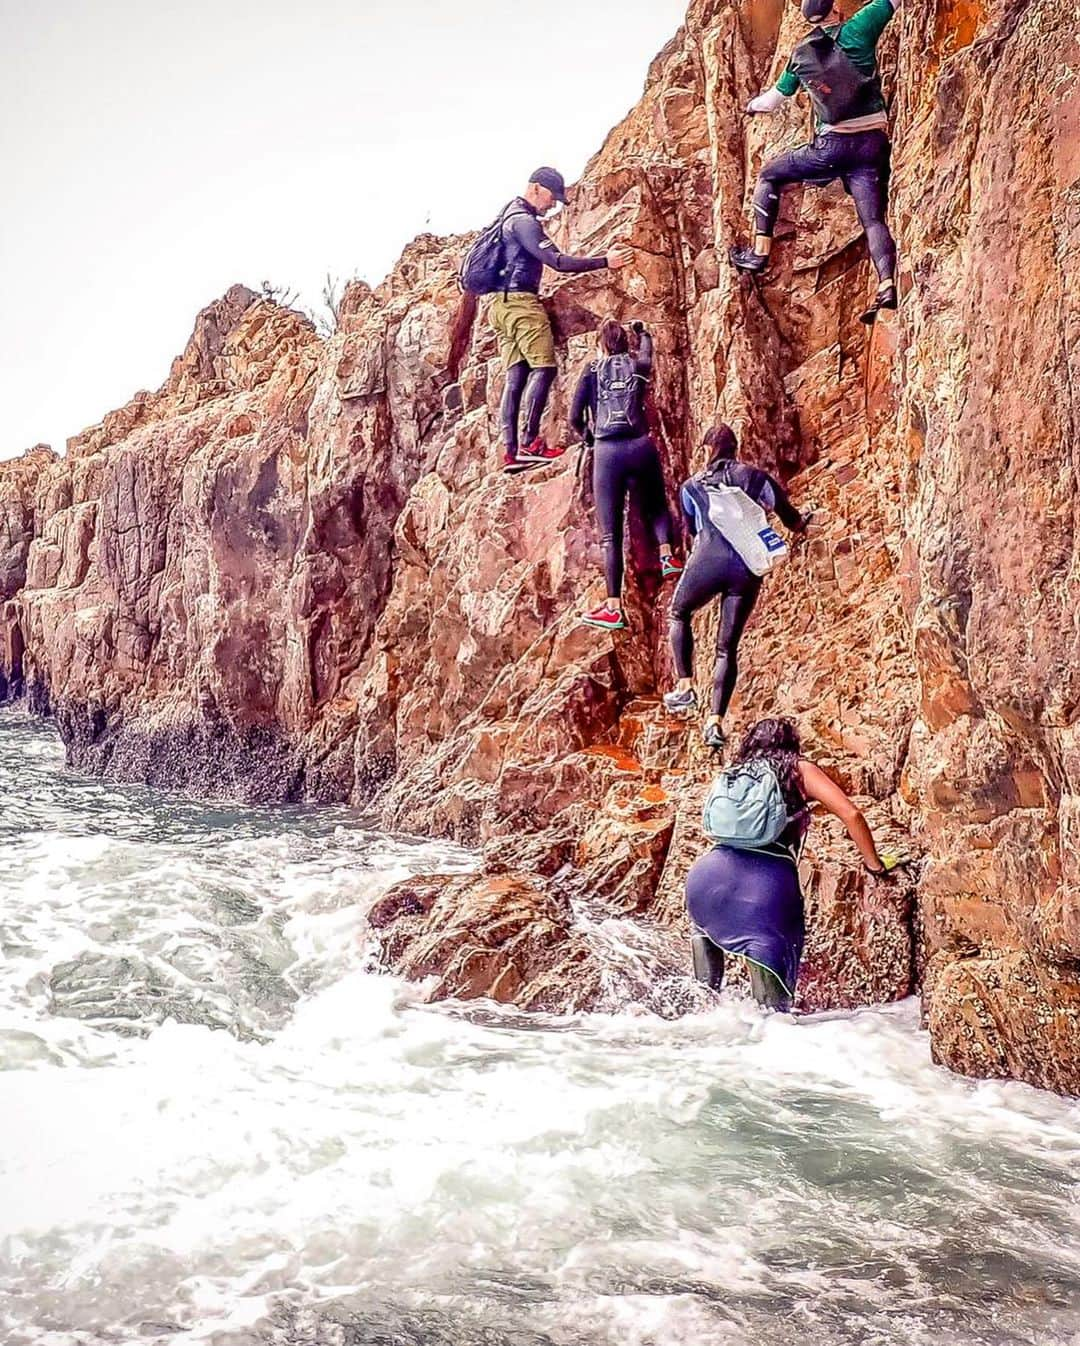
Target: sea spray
220,1127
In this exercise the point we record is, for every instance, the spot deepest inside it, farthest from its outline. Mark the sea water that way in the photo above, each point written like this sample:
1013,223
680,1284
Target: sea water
220,1124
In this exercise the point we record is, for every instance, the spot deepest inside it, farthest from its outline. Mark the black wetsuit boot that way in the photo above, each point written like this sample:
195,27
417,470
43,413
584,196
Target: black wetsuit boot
746,259
768,990
885,298
708,962
537,391
510,407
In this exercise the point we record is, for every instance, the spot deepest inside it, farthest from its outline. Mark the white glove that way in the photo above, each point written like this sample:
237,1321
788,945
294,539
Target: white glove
768,101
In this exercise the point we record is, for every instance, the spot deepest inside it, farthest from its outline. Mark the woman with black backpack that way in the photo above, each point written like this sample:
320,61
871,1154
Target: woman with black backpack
716,505
608,412
743,896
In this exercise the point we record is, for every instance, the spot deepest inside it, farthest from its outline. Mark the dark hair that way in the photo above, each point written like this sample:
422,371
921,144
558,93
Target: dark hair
777,742
613,338
722,446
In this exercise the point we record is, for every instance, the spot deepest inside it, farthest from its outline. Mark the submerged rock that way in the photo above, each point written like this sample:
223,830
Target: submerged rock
293,572
505,938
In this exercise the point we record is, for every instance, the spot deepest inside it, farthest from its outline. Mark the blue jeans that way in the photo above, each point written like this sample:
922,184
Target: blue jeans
860,161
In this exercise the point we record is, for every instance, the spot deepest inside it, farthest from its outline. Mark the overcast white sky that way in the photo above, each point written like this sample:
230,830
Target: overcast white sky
153,153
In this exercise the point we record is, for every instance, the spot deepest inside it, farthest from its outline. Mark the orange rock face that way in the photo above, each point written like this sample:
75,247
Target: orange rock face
294,572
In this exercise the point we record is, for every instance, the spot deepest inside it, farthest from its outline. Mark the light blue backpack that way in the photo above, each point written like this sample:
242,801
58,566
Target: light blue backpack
745,807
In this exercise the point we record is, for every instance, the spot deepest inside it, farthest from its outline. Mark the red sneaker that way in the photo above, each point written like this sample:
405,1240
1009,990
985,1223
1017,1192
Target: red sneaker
539,452
670,566
607,619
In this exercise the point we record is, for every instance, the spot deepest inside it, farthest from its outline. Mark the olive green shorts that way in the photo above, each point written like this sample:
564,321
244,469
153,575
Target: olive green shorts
523,327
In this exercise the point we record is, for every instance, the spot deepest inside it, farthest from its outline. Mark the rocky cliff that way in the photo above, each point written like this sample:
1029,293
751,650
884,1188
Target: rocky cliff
295,572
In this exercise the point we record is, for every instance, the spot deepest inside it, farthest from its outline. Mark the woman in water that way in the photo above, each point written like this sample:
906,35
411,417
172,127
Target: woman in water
748,902
716,570
609,410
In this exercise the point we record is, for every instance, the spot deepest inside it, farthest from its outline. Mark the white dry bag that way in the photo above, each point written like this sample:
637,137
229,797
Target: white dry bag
746,526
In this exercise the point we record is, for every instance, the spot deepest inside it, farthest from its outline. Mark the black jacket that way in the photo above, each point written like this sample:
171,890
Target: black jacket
527,250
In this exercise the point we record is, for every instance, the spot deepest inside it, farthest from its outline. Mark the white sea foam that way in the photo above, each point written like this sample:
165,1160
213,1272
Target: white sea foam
218,1128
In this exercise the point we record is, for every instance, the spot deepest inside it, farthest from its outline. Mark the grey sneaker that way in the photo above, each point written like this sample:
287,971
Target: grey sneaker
713,736
885,298
746,259
680,703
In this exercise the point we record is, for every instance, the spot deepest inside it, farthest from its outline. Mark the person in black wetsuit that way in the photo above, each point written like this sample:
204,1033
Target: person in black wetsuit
748,902
520,321
608,412
716,570
837,65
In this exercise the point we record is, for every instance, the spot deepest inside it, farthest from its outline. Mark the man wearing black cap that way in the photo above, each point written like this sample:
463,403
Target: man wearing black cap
521,322
837,65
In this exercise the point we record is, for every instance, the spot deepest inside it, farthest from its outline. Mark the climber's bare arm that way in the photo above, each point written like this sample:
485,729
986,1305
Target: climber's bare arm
818,787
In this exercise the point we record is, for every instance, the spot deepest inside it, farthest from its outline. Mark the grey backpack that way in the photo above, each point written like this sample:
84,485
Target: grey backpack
618,395
484,268
745,807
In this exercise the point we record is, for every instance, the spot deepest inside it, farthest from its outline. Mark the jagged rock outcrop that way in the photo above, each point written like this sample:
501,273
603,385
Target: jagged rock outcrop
294,573
21,519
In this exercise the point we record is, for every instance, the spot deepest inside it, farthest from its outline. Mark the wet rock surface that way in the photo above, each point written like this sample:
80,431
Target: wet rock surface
294,572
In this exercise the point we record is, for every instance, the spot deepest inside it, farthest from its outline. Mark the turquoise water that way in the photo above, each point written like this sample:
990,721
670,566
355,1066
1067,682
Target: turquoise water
221,1127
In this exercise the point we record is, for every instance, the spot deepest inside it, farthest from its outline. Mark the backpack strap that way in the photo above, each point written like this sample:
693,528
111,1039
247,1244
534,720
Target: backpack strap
718,477
757,481
722,477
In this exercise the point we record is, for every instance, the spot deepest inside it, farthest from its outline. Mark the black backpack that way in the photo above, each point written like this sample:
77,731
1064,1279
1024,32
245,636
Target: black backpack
838,89
484,268
619,388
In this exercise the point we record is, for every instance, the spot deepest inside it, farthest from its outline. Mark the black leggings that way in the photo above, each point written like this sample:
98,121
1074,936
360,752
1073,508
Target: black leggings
531,386
709,968
714,570
622,467
861,161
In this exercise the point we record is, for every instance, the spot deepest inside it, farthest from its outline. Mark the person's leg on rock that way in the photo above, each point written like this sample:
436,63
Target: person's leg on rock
708,961
735,610
648,484
503,314
501,317
697,587
610,484
767,988
527,348
516,378
537,391
868,183
812,164
681,635
536,342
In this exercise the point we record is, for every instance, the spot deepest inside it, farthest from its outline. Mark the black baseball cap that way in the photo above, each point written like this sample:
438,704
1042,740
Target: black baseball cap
553,181
815,10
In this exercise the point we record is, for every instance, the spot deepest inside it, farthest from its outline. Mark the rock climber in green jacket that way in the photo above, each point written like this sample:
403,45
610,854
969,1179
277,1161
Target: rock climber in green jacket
837,65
